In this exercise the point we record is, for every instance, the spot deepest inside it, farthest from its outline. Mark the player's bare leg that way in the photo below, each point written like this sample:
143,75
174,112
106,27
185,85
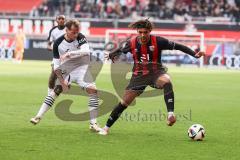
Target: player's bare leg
19,56
164,82
47,104
93,108
128,97
51,81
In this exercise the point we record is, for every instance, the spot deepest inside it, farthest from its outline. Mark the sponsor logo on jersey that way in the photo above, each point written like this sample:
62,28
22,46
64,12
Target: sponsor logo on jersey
151,48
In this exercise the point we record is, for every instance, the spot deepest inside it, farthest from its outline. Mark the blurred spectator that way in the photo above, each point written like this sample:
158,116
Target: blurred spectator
237,48
180,10
236,14
34,12
77,6
190,27
19,45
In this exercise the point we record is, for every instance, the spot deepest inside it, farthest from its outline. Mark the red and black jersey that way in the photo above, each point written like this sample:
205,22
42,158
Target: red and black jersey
147,57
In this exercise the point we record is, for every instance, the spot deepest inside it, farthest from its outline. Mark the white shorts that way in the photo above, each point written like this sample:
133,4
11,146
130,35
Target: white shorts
79,74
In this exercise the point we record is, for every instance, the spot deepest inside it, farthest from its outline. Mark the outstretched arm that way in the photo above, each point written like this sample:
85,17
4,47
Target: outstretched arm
83,51
50,40
188,50
123,48
49,46
169,45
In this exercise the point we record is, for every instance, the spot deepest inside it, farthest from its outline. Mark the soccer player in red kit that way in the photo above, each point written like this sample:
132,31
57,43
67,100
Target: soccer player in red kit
148,69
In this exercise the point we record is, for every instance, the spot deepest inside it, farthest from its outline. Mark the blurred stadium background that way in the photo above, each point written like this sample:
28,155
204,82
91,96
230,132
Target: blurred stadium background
217,20
207,95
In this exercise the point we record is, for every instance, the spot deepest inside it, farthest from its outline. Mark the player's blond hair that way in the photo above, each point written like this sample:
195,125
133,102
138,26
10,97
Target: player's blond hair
72,22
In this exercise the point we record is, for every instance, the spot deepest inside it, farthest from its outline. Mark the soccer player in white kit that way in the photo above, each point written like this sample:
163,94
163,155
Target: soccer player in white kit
71,60
54,34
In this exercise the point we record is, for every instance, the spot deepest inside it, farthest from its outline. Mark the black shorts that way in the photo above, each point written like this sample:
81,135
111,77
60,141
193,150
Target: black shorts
140,82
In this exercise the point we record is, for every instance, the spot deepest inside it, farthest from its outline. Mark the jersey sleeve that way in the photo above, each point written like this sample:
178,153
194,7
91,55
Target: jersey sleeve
166,44
55,51
56,56
81,39
84,50
50,36
126,47
185,49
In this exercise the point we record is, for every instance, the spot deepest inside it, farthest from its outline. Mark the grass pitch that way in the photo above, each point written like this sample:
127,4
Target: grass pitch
206,96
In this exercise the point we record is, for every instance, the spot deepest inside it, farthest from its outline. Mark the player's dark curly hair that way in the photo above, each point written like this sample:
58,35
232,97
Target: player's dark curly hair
142,24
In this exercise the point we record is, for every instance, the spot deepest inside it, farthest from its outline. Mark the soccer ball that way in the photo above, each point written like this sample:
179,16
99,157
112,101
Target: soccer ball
196,132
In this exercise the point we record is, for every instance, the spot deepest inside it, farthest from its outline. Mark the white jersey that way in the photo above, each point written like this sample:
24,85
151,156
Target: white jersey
76,49
76,65
55,33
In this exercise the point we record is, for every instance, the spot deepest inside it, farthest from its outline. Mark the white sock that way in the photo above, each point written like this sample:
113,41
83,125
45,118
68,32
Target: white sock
170,113
47,104
44,108
49,90
106,128
93,108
